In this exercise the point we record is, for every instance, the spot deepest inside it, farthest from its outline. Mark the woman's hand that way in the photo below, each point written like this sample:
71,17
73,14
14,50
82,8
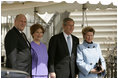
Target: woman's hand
94,71
102,68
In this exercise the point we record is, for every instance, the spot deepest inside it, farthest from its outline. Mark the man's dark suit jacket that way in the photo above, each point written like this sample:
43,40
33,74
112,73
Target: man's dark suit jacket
60,61
18,52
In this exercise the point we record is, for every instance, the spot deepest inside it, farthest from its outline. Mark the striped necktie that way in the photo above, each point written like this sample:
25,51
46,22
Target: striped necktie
69,44
24,36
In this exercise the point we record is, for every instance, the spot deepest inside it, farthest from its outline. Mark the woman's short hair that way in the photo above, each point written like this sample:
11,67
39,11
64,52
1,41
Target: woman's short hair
87,29
35,27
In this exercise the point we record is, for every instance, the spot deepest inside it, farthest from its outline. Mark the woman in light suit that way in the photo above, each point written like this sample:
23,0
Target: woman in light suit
88,54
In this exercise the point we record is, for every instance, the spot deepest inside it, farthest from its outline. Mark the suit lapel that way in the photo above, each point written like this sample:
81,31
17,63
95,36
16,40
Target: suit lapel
73,45
65,43
19,34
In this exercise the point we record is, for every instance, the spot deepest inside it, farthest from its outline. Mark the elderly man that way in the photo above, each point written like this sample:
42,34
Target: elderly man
18,55
62,52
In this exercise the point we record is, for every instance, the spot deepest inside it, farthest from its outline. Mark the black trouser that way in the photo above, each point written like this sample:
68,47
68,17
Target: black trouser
70,76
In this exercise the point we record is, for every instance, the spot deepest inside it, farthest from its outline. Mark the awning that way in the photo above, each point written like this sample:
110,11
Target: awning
63,6
52,6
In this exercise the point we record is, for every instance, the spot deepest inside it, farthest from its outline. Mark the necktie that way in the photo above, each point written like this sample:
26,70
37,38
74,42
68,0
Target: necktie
69,44
24,36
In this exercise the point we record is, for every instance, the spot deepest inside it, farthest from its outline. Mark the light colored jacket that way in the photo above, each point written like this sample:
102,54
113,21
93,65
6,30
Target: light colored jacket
87,57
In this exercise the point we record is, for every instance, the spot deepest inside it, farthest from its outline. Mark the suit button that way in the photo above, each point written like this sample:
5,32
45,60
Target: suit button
90,63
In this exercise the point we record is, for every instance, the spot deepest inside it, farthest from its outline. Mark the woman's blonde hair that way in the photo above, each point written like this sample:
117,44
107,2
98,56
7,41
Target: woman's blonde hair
87,29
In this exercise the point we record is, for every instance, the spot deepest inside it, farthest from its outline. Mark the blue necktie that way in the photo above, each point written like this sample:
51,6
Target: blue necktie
69,44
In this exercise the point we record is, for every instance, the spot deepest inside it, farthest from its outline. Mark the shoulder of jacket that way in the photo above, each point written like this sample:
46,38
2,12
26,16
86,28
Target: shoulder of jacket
75,37
96,44
11,32
81,46
56,36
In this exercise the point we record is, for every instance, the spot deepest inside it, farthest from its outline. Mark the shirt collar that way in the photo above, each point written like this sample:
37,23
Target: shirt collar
18,30
65,35
91,45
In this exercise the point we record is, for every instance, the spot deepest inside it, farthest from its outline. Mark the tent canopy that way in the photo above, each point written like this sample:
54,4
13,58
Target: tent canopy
27,7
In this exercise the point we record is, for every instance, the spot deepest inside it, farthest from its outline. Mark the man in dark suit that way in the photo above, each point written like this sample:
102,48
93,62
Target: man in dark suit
18,55
62,52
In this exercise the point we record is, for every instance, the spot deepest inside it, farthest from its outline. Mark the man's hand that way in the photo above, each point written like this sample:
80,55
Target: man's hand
76,76
52,75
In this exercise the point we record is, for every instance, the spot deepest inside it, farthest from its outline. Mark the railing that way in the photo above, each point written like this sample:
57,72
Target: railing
111,68
111,63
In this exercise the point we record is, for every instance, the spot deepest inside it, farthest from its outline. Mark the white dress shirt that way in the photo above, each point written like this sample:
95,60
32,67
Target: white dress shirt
65,35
